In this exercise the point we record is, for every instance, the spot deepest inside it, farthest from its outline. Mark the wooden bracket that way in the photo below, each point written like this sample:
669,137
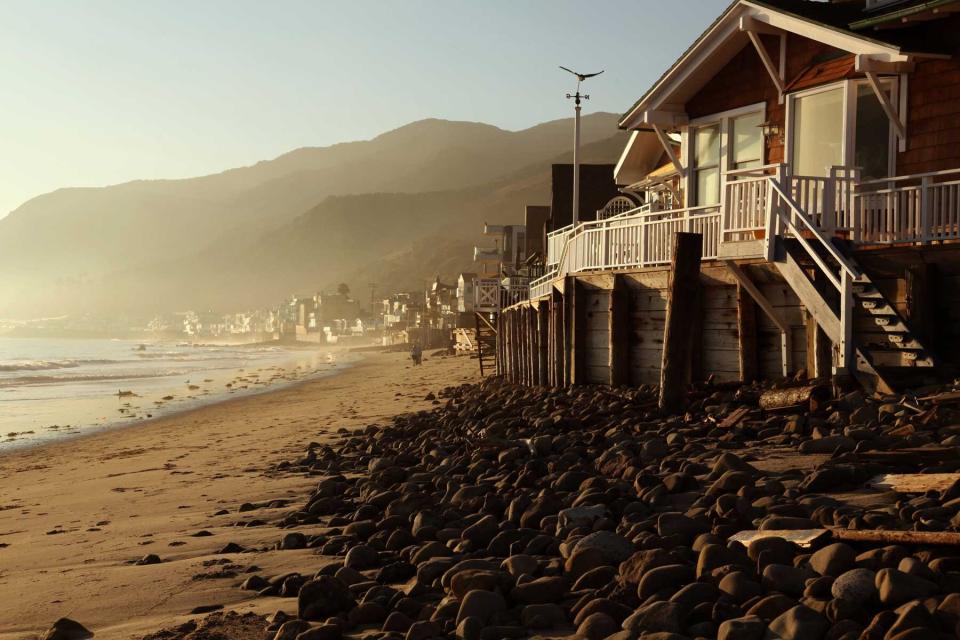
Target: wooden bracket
887,106
668,148
753,28
786,346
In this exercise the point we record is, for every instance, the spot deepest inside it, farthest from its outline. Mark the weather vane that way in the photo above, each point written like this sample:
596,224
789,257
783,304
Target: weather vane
576,138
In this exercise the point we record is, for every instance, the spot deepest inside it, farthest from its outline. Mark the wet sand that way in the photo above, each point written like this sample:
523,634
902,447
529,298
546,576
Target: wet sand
75,515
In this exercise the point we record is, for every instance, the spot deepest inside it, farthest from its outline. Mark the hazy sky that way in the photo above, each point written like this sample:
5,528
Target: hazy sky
98,92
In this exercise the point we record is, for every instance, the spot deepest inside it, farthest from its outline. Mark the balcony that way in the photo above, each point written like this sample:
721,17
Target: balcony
758,204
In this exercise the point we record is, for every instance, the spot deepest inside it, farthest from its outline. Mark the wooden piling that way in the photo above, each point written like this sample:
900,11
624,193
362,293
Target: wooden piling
619,318
682,294
747,335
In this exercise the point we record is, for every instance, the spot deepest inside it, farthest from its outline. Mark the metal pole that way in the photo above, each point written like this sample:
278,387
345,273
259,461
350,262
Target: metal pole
576,160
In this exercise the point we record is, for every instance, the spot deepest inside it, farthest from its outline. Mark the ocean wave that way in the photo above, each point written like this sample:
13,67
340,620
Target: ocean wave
47,365
22,381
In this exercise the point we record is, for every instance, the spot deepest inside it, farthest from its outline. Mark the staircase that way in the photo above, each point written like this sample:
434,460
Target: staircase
486,341
873,343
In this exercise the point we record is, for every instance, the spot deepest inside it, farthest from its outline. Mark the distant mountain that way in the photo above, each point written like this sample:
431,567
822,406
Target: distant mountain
389,210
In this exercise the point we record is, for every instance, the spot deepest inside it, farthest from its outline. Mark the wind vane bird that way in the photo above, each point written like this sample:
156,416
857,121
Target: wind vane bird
581,76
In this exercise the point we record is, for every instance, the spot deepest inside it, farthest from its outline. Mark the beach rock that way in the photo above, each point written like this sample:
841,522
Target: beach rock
519,564
291,629
833,559
361,557
896,587
597,626
67,629
482,605
542,616
632,569
799,623
322,597
150,558
293,540
322,632
746,628
669,577
540,591
613,547
857,586
656,616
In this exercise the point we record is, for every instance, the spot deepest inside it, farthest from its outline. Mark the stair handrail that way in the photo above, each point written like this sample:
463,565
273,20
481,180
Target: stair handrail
817,233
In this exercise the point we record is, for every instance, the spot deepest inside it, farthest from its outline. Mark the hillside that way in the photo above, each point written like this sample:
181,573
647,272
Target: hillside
249,236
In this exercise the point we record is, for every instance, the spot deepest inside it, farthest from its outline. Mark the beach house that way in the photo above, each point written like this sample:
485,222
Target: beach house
814,150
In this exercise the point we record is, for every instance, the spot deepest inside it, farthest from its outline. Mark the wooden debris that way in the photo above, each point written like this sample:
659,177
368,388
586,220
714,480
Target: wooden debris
794,396
915,456
914,482
735,418
799,537
880,536
947,397
806,537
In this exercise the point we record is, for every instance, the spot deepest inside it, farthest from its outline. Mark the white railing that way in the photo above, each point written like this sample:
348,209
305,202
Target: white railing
905,209
918,208
491,295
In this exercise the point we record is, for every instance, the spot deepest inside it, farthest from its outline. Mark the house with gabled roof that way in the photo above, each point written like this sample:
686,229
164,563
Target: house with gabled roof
814,148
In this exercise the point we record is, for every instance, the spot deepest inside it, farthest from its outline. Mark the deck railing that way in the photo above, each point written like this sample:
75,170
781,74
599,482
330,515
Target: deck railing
919,208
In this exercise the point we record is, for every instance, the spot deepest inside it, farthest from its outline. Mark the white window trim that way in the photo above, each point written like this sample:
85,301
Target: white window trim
849,89
723,118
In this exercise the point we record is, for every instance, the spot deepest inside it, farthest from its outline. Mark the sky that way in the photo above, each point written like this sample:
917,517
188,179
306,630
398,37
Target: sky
99,92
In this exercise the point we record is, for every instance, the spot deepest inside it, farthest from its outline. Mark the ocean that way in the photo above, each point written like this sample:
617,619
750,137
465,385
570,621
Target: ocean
52,389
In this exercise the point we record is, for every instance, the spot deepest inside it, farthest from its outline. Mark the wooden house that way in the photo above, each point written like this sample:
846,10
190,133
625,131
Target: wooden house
814,147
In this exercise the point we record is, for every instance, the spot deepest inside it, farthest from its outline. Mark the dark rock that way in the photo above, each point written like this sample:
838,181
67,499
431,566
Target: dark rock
322,597
799,623
482,605
896,587
657,616
857,586
746,628
67,629
597,626
833,559
668,577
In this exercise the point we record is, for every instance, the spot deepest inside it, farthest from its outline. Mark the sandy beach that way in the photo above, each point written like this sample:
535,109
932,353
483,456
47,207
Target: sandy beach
76,515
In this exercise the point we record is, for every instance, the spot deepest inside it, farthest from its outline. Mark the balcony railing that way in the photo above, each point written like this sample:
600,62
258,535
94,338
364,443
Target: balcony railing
921,208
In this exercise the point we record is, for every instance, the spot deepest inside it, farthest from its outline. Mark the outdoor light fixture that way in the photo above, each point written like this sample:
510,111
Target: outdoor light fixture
771,131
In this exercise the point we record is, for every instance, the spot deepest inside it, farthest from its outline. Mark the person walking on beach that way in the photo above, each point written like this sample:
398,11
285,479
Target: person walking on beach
416,353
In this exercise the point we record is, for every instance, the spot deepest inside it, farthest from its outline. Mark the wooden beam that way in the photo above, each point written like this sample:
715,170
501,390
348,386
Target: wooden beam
921,308
818,349
751,24
744,281
681,307
747,335
578,332
885,103
772,70
864,64
619,319
668,119
668,148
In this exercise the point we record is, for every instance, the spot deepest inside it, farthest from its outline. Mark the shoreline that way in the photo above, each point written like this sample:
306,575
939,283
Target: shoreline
92,431
80,406
76,514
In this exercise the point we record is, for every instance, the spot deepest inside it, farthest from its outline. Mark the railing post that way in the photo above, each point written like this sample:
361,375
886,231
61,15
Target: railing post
845,356
828,218
606,245
642,235
924,230
856,201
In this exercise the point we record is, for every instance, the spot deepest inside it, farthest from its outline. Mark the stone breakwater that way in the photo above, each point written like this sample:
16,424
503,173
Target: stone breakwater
511,512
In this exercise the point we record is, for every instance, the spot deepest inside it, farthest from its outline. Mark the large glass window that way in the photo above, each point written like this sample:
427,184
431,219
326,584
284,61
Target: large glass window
746,141
872,133
706,164
817,132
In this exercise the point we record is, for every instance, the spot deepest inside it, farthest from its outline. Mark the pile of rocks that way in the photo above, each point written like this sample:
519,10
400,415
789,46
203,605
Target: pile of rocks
511,512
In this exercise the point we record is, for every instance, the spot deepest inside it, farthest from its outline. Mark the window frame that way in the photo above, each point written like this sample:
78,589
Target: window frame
724,119
849,92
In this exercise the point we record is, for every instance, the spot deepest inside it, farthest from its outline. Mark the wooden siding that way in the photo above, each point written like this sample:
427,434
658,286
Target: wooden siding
933,118
597,333
744,81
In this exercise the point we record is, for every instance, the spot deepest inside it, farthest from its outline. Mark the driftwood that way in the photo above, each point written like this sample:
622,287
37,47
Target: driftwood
794,396
943,398
916,456
806,537
735,417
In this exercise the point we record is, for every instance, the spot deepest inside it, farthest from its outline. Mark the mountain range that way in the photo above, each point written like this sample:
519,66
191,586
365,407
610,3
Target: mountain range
395,210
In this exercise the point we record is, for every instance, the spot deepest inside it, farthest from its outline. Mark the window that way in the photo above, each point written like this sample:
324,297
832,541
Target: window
871,135
706,165
817,132
746,141
842,124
